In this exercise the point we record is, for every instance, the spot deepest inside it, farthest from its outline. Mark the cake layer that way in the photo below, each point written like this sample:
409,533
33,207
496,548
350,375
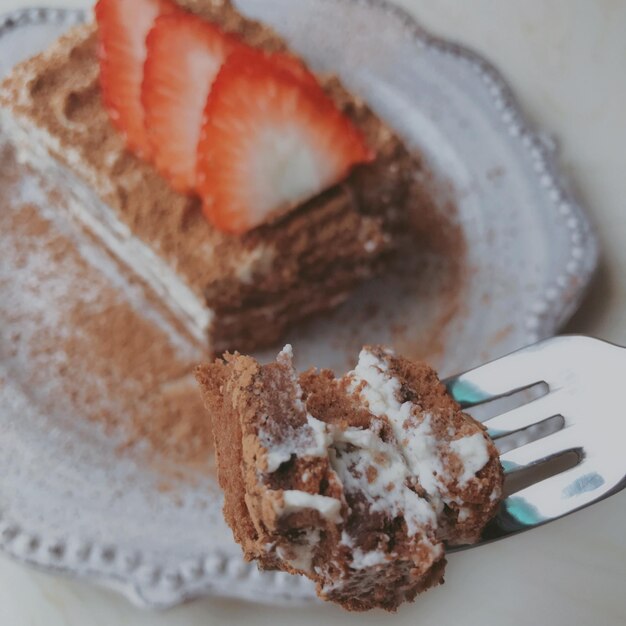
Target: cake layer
327,245
355,482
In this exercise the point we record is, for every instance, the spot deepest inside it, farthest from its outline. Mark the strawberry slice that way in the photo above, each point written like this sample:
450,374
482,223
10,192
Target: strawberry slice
270,141
294,66
123,26
185,54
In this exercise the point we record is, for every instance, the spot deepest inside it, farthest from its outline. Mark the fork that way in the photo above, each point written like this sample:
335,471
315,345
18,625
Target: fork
585,379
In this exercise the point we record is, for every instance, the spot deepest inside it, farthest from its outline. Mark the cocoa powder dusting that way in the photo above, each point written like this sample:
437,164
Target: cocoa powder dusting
88,340
417,303
437,243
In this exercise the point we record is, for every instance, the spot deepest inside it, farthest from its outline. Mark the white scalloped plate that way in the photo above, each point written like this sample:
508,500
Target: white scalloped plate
69,504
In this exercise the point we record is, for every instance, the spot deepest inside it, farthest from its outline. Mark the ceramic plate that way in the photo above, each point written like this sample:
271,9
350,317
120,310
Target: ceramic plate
70,503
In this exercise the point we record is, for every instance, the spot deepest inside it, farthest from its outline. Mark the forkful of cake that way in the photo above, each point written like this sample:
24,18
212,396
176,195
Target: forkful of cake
361,483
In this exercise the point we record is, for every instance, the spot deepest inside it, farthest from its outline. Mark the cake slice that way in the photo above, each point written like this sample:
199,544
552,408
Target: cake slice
243,290
356,482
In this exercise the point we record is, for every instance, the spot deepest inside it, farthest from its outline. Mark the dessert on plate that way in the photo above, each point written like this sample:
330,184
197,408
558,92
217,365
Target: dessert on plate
245,189
356,482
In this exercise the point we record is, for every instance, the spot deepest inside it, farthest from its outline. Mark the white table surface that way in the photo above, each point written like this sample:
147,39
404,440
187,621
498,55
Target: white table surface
566,59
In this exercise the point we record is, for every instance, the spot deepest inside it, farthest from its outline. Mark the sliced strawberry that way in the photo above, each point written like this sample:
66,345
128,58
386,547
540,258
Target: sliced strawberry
123,26
185,54
294,66
270,141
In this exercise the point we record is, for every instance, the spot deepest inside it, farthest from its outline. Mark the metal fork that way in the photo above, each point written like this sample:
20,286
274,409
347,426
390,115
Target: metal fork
586,380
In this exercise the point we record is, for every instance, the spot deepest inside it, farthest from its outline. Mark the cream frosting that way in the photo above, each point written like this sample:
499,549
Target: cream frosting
295,501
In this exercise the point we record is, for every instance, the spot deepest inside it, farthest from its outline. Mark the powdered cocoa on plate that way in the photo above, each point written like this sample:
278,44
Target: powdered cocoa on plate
86,339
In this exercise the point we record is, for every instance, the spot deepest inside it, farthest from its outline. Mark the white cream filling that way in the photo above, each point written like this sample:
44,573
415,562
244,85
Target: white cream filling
368,465
365,560
295,501
34,147
300,555
474,454
422,451
311,440
362,559
257,260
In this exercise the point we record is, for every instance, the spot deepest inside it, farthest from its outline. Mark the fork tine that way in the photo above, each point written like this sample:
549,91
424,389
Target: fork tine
557,496
548,500
563,441
505,376
496,379
524,416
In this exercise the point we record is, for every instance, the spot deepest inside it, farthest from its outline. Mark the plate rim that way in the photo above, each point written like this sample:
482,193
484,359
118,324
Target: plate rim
212,574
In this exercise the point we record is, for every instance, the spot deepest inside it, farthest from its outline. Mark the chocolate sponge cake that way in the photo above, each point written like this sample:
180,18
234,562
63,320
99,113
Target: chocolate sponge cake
224,285
356,482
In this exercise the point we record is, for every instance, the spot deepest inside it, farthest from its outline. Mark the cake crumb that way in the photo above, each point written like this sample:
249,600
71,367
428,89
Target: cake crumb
357,482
